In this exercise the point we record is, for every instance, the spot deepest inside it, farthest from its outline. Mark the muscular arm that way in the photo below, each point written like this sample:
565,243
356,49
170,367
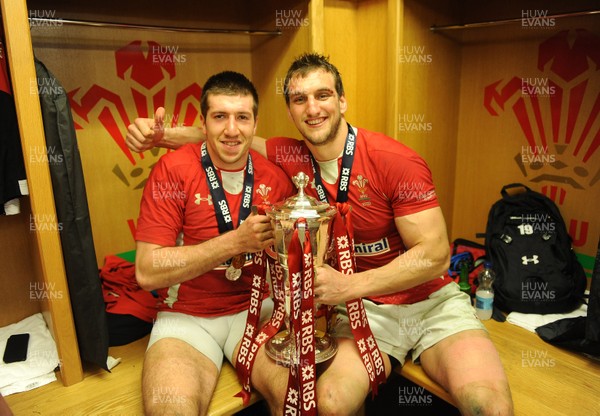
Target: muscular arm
175,137
158,267
427,258
145,133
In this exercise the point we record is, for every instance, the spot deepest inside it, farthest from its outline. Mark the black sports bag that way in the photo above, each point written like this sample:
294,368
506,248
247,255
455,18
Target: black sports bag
527,242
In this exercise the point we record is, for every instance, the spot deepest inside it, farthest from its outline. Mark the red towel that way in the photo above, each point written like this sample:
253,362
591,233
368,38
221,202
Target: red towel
122,294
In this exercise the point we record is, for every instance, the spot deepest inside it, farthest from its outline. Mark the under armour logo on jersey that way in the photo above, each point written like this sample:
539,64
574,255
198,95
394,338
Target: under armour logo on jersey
533,259
199,199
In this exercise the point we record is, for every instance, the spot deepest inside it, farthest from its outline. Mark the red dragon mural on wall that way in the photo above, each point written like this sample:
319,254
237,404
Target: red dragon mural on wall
561,151
146,70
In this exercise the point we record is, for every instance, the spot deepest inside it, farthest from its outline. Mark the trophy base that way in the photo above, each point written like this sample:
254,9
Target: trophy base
281,349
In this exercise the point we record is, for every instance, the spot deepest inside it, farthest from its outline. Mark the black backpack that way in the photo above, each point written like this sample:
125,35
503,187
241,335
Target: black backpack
536,268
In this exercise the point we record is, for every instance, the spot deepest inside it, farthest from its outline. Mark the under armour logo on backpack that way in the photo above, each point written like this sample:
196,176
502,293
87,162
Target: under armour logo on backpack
533,260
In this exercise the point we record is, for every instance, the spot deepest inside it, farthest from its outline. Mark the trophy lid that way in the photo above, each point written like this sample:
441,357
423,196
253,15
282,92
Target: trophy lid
301,205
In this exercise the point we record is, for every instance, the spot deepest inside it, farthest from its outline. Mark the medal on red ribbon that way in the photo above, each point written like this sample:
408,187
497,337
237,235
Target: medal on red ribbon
224,220
234,271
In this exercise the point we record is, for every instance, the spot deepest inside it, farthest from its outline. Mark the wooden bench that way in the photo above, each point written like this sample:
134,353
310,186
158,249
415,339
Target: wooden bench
544,380
118,392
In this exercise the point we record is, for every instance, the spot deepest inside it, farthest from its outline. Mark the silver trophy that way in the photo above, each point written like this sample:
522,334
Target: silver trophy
318,217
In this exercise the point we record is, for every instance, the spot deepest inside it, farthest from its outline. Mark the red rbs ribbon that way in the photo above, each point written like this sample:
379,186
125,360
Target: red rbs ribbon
301,397
252,338
365,341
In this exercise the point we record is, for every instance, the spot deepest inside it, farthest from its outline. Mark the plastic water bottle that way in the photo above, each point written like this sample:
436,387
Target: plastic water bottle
484,295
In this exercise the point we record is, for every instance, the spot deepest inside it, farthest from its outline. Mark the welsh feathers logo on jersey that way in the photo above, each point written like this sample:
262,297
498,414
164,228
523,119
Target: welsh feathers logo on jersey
263,191
362,183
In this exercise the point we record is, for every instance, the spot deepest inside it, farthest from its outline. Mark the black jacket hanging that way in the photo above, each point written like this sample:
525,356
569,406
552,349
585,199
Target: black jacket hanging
73,217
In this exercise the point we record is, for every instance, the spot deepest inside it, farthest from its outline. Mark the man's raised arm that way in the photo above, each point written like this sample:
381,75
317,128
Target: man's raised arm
145,133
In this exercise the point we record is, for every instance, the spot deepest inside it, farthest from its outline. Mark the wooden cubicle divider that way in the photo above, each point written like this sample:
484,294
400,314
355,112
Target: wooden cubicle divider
46,252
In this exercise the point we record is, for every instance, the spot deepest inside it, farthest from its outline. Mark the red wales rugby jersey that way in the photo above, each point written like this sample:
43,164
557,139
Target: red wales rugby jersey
177,199
388,180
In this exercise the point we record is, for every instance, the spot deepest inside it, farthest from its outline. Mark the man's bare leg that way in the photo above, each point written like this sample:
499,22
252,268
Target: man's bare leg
177,379
468,366
344,383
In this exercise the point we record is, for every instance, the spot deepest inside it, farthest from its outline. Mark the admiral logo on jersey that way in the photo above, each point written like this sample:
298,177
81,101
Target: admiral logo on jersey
372,249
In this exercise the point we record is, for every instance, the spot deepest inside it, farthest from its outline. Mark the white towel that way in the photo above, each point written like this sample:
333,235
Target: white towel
530,321
42,357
